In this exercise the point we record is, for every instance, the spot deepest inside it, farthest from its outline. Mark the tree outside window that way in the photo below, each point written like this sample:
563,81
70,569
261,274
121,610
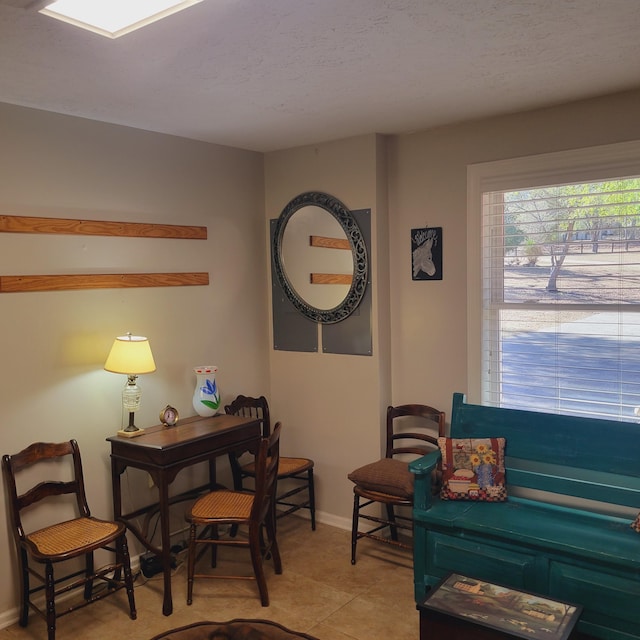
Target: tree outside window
561,298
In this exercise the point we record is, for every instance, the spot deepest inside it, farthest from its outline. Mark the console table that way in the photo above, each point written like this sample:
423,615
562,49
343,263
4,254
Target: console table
162,452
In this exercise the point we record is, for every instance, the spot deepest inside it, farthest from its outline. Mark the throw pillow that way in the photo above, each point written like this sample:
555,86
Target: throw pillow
386,476
635,525
473,469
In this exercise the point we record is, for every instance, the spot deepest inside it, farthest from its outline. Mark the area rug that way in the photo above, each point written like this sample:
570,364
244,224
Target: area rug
236,629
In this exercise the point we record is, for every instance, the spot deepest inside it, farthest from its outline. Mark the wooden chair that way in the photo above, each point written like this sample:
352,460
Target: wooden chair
238,508
411,429
296,471
64,540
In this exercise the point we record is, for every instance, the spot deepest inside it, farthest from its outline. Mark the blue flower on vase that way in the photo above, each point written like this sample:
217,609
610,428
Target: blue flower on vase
210,388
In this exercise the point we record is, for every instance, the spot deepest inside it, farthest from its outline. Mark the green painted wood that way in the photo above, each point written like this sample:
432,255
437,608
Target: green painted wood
597,486
584,443
574,533
577,554
421,468
504,563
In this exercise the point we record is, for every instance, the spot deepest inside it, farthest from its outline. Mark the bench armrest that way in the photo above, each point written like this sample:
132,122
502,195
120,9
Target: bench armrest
422,470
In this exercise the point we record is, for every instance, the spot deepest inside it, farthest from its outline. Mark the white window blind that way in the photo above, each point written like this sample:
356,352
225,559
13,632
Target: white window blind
561,298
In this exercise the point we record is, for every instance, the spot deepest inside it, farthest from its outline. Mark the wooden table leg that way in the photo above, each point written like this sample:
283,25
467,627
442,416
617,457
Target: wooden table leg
163,489
116,471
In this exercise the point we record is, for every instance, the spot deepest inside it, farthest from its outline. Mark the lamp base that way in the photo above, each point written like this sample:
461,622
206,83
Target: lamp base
130,431
130,434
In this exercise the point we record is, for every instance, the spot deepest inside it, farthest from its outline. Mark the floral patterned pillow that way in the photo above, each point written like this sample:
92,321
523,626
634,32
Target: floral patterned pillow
635,525
473,469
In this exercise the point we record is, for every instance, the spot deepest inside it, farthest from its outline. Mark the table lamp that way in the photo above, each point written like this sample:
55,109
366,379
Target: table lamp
132,356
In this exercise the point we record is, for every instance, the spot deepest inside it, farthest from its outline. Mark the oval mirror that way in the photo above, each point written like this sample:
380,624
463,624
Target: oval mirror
320,257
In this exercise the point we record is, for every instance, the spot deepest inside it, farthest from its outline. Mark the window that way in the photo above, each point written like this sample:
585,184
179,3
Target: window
558,302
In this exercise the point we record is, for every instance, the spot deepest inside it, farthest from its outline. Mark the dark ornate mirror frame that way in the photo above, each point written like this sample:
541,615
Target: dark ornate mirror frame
358,251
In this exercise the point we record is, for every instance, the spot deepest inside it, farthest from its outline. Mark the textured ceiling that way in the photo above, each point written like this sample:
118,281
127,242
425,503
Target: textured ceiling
272,74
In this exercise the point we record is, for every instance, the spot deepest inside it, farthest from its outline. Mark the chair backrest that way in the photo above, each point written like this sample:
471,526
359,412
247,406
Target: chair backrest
249,407
42,489
413,428
266,475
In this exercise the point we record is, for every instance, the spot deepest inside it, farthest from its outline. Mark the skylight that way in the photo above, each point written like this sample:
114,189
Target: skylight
113,18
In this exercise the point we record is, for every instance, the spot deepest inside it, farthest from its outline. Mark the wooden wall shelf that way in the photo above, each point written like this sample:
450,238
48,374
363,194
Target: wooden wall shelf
14,284
68,226
25,224
329,243
331,278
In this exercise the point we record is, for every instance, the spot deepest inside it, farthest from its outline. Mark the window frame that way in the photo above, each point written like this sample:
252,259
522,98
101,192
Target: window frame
576,165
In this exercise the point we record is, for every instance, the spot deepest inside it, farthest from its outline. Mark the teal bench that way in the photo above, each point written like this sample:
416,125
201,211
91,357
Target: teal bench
573,488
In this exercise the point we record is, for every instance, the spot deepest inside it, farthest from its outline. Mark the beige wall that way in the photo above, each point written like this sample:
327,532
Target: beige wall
53,344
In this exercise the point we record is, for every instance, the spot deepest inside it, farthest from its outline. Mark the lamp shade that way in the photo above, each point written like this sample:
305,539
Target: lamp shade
130,355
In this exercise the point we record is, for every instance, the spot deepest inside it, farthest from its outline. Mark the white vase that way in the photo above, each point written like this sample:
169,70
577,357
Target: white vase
206,397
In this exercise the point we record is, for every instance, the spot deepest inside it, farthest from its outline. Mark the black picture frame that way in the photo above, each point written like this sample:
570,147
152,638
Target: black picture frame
514,613
426,253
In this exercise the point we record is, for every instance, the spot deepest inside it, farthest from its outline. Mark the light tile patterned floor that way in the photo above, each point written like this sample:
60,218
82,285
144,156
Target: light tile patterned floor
319,592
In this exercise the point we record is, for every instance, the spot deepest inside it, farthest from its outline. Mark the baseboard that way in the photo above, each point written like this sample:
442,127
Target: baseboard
334,521
325,518
7,618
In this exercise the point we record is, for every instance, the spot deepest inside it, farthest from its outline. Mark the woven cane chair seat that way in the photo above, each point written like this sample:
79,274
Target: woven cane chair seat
73,537
286,466
226,505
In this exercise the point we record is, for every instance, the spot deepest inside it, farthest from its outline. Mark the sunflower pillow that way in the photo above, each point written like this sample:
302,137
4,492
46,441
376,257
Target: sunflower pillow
473,469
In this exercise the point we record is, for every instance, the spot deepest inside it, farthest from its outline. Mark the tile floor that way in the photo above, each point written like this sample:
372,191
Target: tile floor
319,592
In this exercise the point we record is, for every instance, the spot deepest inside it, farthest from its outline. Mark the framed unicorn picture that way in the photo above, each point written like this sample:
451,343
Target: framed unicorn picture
426,253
